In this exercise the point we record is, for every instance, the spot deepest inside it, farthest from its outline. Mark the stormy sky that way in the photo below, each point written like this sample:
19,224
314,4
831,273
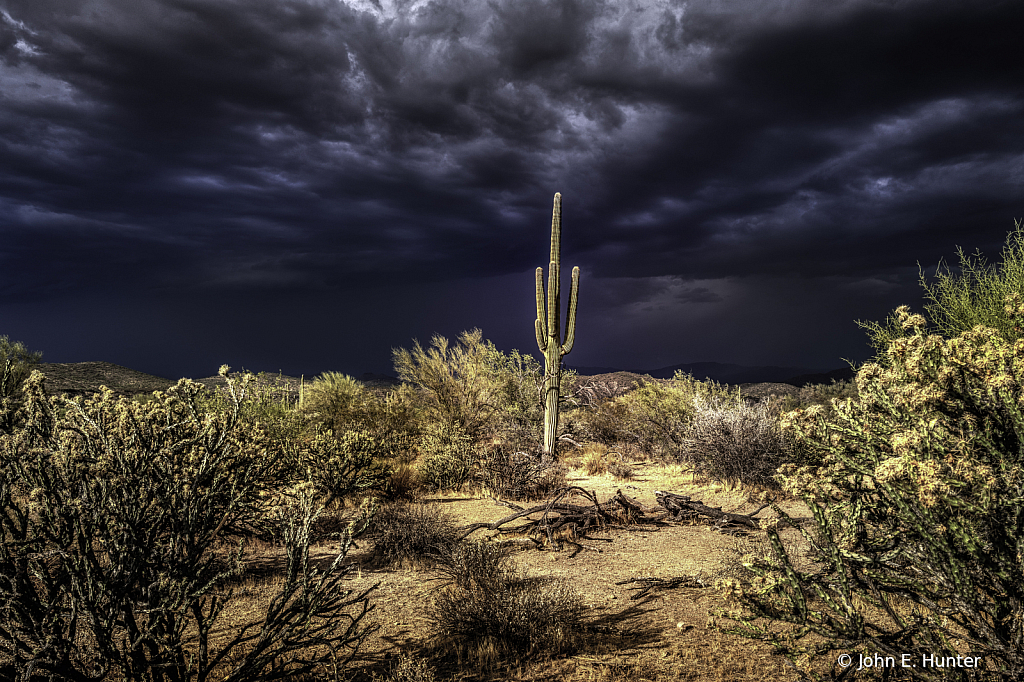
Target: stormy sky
302,185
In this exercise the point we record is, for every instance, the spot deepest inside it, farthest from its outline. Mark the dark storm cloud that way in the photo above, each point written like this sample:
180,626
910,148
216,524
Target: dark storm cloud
702,148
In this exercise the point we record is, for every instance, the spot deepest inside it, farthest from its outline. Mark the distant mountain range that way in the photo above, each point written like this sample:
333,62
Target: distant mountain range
80,378
725,373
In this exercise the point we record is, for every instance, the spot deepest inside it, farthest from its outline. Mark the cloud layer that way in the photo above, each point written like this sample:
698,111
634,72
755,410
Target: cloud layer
715,159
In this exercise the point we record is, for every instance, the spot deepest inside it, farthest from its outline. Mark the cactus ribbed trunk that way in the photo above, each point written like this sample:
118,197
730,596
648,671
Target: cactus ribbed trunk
547,327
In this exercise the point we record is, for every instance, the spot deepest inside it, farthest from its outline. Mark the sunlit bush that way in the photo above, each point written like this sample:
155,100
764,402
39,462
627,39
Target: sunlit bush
16,364
113,515
918,512
736,444
449,457
654,419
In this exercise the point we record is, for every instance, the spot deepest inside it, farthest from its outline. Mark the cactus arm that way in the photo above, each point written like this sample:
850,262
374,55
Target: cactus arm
570,324
542,330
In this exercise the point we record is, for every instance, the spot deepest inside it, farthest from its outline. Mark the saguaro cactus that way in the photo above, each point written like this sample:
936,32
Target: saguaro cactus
548,337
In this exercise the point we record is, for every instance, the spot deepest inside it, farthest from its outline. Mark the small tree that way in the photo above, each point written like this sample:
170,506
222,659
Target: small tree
459,380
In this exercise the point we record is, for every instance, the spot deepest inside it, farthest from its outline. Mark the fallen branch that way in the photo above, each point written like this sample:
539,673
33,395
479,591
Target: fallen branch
561,521
683,508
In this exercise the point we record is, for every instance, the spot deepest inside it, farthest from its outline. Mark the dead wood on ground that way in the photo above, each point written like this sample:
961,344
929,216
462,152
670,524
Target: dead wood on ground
562,521
685,508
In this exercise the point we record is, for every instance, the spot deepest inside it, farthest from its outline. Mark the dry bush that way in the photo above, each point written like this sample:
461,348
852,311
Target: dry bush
411,533
741,443
405,483
468,564
521,475
654,418
409,669
621,470
594,459
488,608
603,422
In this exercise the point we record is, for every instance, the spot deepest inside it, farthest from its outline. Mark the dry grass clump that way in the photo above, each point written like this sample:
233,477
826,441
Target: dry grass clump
404,484
413,534
490,612
409,669
594,459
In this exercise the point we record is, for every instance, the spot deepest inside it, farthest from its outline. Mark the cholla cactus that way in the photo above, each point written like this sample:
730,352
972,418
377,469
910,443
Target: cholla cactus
919,510
548,337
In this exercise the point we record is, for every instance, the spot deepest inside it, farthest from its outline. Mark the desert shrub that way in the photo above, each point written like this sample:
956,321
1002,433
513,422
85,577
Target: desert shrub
409,668
113,512
740,443
621,470
518,396
477,387
603,422
458,381
341,404
655,417
469,564
449,456
917,513
487,606
339,399
16,364
519,475
410,533
405,483
594,459
343,465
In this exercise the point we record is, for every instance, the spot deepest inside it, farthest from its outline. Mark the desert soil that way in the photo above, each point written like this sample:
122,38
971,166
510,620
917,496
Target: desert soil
664,635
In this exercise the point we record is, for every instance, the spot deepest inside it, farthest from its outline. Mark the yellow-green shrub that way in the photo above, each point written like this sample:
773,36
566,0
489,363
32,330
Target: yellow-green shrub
449,456
655,417
918,509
